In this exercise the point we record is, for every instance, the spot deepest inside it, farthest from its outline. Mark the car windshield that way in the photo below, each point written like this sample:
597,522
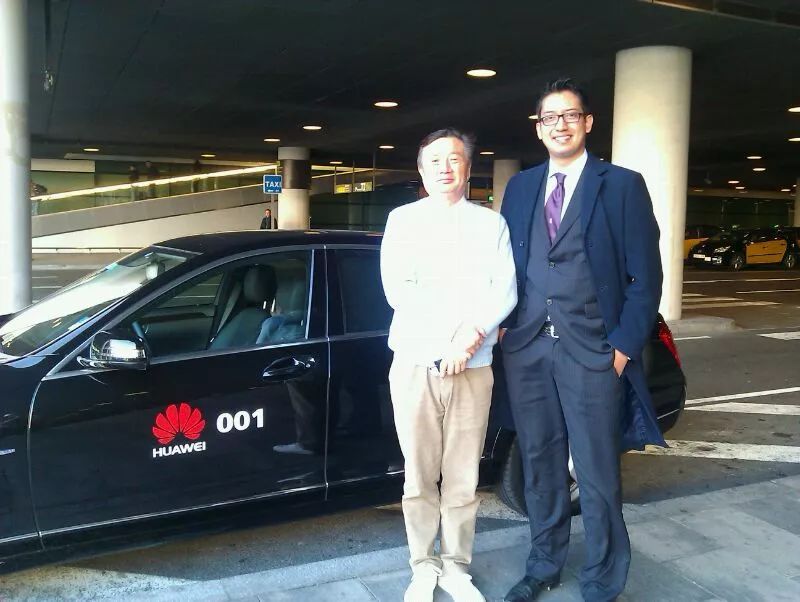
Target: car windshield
45,321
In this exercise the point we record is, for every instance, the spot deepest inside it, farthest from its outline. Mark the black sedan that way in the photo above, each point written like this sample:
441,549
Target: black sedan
209,376
737,249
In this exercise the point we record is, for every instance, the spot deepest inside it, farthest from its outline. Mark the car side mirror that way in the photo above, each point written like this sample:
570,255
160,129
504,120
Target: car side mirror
117,348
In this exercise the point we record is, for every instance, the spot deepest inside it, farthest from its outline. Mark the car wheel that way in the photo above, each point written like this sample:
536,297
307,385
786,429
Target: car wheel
789,260
510,487
737,262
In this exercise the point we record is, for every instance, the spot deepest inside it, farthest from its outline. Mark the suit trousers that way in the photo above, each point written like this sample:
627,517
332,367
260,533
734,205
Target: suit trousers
559,406
441,425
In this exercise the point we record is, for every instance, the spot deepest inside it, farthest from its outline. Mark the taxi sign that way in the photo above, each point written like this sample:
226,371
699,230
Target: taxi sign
273,184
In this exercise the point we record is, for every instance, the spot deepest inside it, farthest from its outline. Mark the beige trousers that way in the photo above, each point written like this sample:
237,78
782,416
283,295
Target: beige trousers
441,426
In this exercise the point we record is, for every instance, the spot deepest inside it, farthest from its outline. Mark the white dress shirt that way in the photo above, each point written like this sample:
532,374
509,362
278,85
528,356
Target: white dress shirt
444,266
572,172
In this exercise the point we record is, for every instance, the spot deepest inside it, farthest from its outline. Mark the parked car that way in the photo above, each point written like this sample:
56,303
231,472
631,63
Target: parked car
737,249
208,376
694,235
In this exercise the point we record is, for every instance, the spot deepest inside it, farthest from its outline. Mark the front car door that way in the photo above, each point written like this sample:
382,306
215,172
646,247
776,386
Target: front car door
239,361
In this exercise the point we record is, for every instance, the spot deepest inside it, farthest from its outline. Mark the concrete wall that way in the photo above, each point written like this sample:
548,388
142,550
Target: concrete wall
146,222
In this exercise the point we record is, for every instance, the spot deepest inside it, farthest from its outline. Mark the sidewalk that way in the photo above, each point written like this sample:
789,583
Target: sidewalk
733,544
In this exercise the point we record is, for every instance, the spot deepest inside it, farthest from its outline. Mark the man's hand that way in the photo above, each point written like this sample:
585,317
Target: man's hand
454,363
620,361
500,334
466,341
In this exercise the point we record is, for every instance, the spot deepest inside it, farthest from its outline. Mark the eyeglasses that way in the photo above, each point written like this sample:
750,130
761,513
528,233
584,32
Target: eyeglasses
569,117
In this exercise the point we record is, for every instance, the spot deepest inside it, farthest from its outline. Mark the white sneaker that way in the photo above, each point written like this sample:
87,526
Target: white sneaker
423,582
461,588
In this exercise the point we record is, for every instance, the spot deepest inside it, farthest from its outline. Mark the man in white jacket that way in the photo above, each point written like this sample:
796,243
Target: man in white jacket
448,272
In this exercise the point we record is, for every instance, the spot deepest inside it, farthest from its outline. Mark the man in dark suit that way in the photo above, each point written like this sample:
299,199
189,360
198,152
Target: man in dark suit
585,244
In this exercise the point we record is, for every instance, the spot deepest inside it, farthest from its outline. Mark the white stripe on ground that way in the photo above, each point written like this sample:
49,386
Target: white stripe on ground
777,290
742,395
749,408
51,287
727,451
736,304
692,295
705,336
783,336
739,280
709,299
43,277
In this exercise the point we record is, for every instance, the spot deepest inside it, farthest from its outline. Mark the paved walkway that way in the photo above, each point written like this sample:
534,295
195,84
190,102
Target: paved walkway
726,545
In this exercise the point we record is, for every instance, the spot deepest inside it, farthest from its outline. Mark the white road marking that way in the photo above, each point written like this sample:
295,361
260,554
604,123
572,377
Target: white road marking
43,277
783,336
705,336
692,295
690,402
727,451
740,280
48,287
702,299
736,304
777,290
749,408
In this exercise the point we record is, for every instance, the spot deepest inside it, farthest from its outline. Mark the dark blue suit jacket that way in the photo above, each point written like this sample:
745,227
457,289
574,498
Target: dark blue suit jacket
621,243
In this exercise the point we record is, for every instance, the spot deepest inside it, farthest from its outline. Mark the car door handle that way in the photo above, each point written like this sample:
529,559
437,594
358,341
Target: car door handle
289,366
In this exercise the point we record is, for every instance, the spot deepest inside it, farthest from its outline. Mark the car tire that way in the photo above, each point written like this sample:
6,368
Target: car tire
737,262
510,486
789,260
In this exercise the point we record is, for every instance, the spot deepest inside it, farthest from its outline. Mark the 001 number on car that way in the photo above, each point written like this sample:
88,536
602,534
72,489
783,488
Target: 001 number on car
240,421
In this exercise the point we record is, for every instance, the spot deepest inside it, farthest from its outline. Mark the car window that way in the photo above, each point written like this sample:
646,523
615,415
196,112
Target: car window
364,305
249,303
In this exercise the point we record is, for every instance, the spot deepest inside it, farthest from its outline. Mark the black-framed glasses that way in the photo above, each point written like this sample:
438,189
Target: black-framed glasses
569,117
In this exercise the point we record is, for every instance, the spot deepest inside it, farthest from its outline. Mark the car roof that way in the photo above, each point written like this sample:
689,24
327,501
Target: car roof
227,243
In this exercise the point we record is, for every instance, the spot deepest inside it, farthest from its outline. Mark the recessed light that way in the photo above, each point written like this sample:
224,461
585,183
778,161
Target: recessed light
754,157
272,139
794,109
733,181
740,188
481,72
698,190
533,117
386,104
794,139
91,150
487,152
786,189
208,155
312,128
336,162
386,147
759,169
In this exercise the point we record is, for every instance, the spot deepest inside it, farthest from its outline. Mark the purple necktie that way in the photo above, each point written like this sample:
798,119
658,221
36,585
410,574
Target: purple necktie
552,208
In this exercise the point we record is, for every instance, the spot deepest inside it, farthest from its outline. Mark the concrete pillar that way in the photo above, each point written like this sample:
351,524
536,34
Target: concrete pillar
15,159
797,204
293,202
503,171
652,93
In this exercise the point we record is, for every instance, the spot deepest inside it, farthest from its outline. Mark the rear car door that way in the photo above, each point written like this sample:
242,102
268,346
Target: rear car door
208,423
363,450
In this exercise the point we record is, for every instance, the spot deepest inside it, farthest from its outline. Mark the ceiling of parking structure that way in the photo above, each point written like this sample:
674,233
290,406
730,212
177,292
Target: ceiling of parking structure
181,78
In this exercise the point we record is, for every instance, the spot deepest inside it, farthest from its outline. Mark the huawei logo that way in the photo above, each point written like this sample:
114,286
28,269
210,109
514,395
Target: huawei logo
178,419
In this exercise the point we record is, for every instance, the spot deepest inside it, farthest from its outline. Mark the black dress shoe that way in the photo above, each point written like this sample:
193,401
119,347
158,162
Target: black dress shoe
528,589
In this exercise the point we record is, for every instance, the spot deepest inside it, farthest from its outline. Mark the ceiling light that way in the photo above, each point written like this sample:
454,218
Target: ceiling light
91,150
740,188
698,190
754,157
759,169
481,72
794,109
786,189
272,139
336,162
312,128
794,139
386,104
386,147
533,117
208,155
487,152
733,181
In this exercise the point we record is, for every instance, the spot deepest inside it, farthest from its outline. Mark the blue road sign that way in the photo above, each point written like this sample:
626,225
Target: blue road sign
273,184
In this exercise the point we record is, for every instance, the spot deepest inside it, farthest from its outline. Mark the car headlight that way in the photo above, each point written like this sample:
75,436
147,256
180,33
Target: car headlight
721,249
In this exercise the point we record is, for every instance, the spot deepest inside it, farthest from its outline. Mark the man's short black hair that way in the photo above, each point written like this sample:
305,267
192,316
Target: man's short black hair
467,139
564,84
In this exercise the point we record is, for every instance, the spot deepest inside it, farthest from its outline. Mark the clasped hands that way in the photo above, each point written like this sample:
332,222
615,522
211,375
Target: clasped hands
466,341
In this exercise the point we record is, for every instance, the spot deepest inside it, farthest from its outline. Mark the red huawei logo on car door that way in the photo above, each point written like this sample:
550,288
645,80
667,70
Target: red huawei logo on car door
178,419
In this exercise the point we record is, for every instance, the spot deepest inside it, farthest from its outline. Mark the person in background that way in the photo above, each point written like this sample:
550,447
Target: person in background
267,222
133,177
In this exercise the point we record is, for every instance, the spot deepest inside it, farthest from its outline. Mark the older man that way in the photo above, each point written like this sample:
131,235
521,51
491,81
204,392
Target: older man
448,272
